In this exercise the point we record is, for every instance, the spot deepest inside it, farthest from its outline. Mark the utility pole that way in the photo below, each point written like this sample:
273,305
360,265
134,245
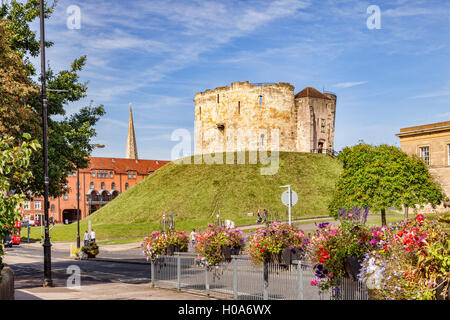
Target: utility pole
47,245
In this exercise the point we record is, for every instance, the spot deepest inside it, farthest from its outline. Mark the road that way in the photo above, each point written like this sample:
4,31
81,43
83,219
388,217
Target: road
98,279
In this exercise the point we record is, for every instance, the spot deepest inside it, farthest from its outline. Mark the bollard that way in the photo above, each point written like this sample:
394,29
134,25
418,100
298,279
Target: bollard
71,250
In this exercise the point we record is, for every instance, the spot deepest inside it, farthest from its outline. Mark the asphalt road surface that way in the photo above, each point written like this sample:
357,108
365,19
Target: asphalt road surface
28,267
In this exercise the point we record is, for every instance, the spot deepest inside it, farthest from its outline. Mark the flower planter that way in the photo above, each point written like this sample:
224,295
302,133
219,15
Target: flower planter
226,252
352,267
170,250
296,254
286,256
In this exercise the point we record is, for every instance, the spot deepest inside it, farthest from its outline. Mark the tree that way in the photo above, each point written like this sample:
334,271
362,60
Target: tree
14,167
381,177
69,144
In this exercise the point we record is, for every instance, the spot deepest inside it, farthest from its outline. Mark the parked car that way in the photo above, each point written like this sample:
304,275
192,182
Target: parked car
34,223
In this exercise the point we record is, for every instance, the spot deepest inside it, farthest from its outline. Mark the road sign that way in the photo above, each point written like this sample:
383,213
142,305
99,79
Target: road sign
285,198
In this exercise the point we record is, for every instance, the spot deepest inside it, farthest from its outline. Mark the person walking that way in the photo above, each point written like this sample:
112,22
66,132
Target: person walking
92,236
264,215
86,238
193,238
259,219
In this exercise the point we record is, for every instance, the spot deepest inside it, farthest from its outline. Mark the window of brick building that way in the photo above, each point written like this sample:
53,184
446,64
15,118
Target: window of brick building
37,205
126,186
26,205
91,185
102,186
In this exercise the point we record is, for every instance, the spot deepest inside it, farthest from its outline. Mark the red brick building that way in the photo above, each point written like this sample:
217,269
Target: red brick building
101,182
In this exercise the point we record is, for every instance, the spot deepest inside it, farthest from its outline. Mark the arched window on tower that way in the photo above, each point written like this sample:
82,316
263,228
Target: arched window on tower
239,107
260,100
127,186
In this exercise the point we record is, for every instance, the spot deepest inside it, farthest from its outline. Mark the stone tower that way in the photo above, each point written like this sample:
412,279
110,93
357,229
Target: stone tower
131,139
247,116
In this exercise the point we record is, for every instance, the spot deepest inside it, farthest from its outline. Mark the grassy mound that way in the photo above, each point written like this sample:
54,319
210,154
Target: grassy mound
197,192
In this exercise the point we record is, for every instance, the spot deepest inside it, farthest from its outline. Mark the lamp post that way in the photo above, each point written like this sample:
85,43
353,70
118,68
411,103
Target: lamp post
78,198
47,246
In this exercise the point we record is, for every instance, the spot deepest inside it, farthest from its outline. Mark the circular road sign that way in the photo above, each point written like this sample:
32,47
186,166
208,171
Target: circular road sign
285,198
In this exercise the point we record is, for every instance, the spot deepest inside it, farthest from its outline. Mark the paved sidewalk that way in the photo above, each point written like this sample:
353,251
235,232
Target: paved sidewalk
106,291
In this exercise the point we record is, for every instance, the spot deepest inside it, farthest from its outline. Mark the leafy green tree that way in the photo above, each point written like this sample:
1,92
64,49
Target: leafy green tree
70,137
381,177
14,167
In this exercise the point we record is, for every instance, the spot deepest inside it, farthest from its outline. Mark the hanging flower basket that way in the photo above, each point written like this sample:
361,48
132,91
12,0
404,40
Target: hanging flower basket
352,265
170,250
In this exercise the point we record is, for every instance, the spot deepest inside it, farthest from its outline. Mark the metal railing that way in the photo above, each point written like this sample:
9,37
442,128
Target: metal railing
239,279
330,152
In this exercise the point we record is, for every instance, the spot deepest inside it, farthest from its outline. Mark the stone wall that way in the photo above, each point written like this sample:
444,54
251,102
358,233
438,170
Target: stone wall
437,138
248,116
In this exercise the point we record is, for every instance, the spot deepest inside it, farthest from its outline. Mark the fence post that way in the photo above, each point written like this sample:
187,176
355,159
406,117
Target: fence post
235,278
178,271
266,281
152,270
300,280
207,280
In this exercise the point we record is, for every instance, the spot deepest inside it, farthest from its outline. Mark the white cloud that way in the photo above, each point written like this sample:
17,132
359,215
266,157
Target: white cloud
349,84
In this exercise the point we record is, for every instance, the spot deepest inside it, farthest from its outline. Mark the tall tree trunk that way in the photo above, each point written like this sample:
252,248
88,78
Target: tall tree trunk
383,217
406,213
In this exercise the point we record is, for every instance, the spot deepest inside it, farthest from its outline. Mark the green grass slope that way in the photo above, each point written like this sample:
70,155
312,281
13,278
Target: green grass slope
199,191
196,193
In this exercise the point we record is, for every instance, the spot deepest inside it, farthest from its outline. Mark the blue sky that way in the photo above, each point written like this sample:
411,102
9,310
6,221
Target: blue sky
158,54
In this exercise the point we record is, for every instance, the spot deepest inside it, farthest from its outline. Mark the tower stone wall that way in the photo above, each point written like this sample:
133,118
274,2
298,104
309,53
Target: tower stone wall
247,116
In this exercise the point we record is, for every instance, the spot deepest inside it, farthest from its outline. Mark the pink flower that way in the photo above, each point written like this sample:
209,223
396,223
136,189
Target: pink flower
315,282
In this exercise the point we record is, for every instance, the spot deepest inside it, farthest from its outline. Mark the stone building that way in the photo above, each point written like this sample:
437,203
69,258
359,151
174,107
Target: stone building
431,142
247,116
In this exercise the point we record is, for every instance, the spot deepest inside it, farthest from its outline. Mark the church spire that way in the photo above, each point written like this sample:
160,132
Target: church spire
131,139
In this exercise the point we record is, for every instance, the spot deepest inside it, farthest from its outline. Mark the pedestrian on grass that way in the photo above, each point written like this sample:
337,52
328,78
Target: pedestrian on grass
86,238
193,237
92,235
259,216
264,215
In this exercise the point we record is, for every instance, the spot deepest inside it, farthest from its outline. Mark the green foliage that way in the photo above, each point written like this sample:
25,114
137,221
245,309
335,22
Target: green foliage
69,138
14,167
380,177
